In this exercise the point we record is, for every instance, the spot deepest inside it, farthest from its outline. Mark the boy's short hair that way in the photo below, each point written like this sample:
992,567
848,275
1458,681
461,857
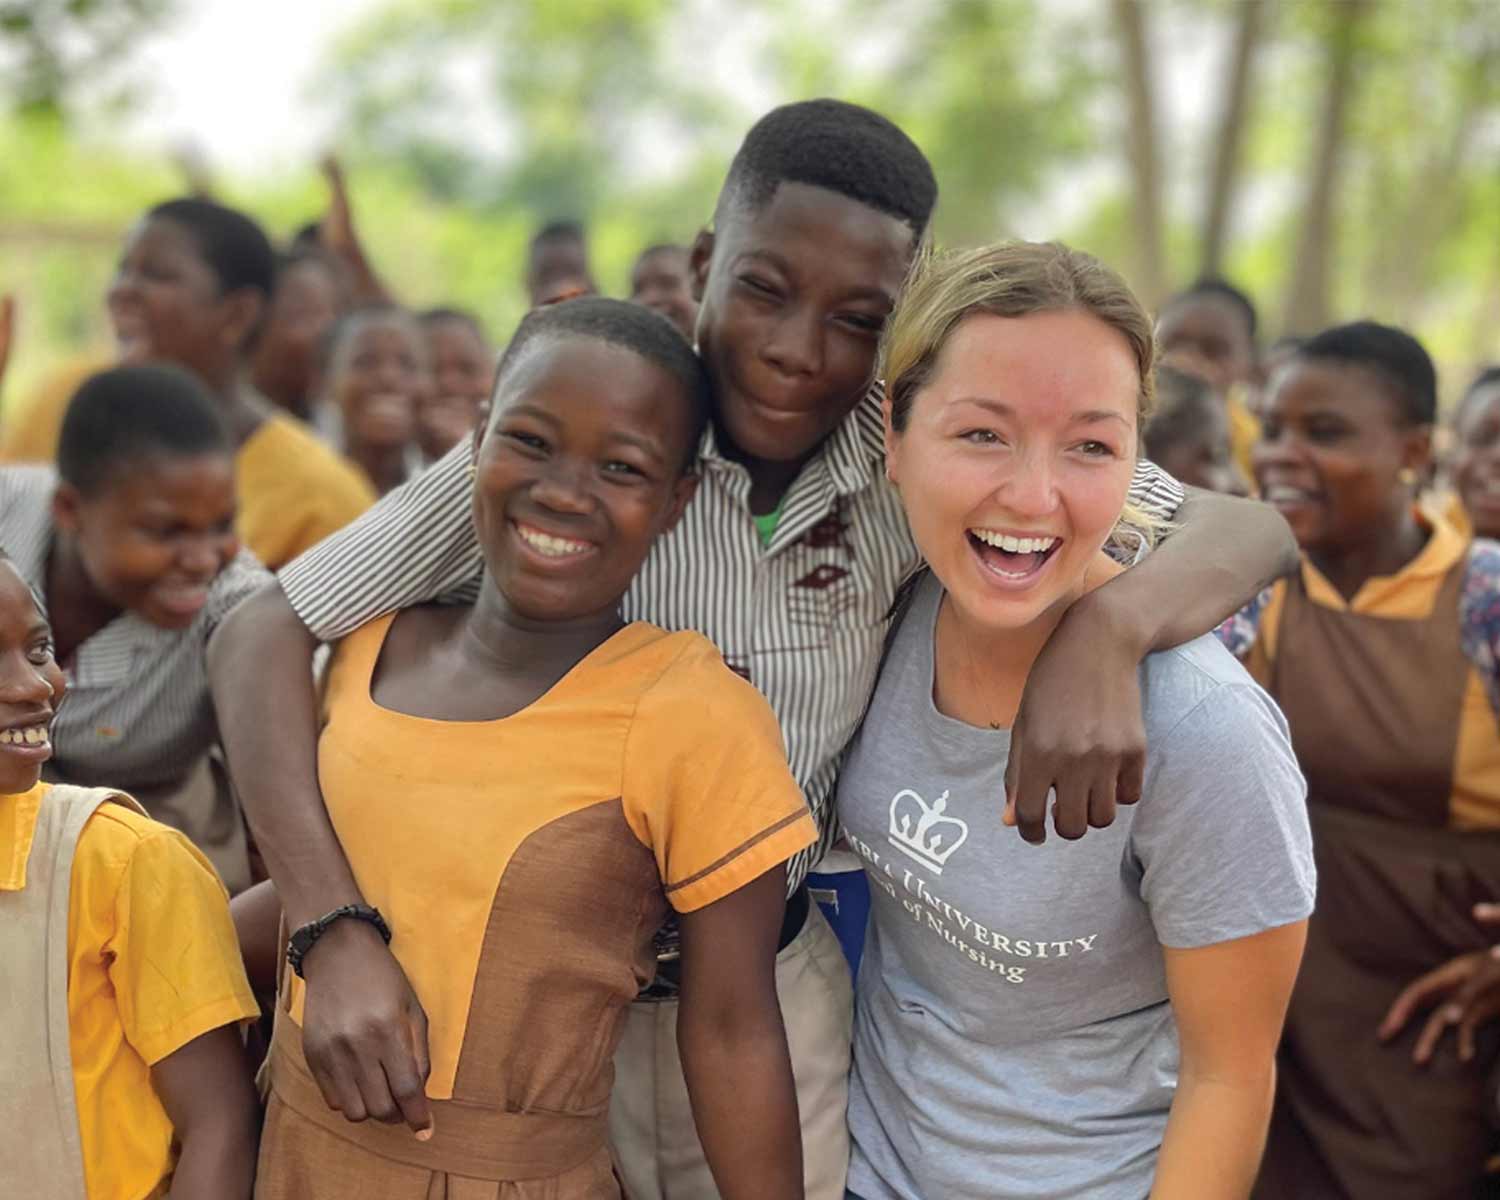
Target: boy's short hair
233,245
631,326
342,329
429,317
1392,354
841,147
1211,285
125,414
663,248
559,231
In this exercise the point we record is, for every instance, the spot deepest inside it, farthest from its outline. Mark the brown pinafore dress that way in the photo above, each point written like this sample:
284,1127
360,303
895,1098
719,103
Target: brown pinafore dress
41,1153
1374,705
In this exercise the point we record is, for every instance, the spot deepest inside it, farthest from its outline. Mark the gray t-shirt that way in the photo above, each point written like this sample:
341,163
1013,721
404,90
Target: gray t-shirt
1012,1035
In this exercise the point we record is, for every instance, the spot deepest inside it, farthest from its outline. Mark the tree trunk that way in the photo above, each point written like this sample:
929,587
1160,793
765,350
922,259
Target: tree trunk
1434,192
1308,295
1223,183
1141,146
1483,345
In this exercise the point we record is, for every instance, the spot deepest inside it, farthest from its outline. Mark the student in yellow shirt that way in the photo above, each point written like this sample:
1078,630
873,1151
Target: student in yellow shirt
193,286
122,986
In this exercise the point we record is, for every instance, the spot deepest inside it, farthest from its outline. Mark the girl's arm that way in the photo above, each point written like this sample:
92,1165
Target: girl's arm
1229,1000
206,1089
734,1051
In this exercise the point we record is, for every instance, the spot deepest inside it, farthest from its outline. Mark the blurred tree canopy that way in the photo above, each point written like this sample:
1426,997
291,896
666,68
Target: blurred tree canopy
49,49
1335,157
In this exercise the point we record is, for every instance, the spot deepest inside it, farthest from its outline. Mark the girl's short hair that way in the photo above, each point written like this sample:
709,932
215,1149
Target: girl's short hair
1011,279
122,415
631,327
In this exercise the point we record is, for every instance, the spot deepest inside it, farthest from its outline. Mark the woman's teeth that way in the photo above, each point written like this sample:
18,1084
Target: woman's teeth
1014,545
1281,493
550,546
34,735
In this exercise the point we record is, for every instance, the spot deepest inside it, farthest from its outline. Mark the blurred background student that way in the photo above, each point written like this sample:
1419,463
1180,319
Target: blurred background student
662,280
463,368
1188,436
129,543
375,383
192,288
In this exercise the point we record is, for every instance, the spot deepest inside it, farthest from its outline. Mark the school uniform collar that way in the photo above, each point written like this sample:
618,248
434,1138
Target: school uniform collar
848,463
852,456
1445,546
18,817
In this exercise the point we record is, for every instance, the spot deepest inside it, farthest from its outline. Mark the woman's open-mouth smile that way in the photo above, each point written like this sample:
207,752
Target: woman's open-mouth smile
1012,559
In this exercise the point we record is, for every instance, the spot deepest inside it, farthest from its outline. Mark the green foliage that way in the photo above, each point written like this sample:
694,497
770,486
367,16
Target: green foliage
49,49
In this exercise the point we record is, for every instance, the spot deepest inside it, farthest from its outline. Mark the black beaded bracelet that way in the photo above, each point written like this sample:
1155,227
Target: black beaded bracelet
305,938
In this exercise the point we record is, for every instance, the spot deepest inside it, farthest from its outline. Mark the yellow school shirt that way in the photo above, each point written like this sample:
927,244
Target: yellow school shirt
293,491
1410,594
32,426
1244,430
153,963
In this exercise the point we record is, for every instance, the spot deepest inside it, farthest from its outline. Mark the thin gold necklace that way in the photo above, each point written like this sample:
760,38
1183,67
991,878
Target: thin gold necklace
976,687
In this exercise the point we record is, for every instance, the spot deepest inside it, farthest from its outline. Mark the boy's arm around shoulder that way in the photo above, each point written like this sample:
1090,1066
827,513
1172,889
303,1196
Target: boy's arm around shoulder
1079,727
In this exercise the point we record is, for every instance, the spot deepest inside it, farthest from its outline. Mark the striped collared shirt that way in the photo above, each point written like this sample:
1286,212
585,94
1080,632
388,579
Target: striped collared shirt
802,618
138,713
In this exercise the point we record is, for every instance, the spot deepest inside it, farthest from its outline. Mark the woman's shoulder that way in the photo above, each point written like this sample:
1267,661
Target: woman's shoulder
1203,675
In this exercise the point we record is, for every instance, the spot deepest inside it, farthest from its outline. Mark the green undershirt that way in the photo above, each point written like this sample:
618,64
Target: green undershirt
765,524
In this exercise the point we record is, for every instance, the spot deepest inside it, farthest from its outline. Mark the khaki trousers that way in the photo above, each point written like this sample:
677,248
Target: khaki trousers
651,1122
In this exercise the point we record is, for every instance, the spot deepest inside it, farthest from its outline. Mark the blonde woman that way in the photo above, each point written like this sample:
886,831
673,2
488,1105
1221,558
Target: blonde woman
1092,1018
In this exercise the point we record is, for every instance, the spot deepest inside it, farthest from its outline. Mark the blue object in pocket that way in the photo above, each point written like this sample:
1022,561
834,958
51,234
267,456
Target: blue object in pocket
844,897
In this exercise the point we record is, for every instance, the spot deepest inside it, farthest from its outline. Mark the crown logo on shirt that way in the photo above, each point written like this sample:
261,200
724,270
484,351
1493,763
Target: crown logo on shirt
921,831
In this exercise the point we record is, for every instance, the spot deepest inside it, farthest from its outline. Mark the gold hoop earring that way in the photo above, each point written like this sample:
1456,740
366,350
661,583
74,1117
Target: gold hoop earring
1407,477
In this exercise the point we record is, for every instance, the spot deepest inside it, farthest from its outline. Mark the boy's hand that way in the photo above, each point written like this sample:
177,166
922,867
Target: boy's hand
1465,992
364,1033
337,228
1078,730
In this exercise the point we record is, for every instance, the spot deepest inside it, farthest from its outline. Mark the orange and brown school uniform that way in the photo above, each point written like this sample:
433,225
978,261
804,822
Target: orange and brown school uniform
524,866
1392,699
118,950
293,491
